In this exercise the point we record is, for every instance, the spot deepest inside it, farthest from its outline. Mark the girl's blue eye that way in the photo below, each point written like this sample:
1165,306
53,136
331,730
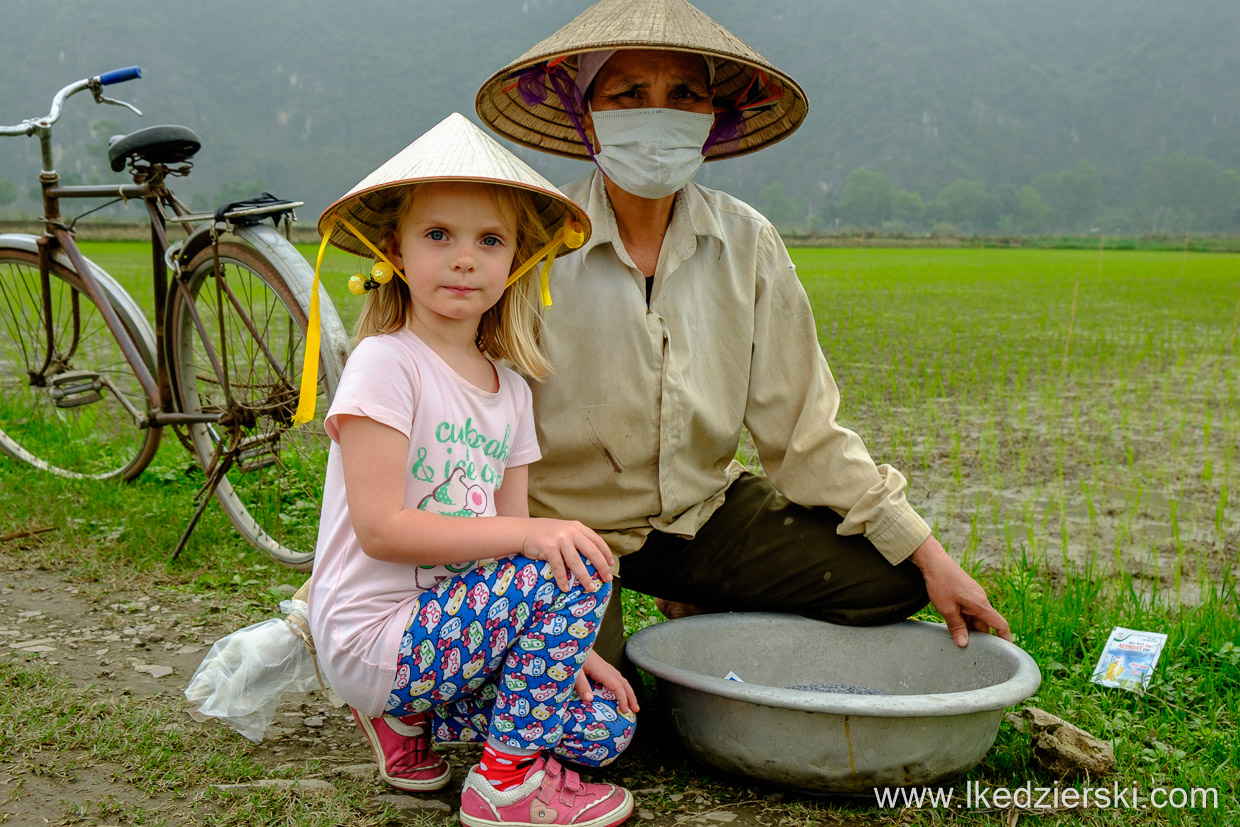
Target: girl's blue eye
492,241
436,235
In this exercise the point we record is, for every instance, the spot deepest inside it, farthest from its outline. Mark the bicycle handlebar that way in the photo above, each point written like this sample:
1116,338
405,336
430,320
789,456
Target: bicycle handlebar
120,75
32,125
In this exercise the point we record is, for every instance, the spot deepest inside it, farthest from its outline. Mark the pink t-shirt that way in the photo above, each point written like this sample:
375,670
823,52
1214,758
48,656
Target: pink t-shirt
461,439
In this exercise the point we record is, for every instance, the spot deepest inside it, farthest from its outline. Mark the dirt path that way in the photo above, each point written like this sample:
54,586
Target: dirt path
137,649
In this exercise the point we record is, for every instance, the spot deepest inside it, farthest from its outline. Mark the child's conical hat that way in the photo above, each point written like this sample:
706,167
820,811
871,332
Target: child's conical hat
674,25
454,150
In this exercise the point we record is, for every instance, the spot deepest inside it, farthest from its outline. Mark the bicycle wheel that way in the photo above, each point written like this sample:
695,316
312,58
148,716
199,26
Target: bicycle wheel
70,408
250,374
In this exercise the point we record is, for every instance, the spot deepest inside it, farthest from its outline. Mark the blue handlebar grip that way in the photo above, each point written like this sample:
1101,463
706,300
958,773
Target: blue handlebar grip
120,75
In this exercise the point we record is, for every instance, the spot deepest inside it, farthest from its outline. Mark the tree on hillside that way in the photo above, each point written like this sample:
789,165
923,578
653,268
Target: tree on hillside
1182,192
907,208
962,202
1000,206
1031,211
786,212
867,199
1073,196
870,200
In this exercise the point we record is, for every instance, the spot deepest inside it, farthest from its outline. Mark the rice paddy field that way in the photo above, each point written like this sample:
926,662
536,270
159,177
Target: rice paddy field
1056,408
1068,420
1069,409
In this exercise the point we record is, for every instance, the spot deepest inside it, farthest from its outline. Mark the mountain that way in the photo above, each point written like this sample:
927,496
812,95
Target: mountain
304,98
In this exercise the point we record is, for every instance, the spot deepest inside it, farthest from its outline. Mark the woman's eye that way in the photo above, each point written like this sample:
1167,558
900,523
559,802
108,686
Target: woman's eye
436,235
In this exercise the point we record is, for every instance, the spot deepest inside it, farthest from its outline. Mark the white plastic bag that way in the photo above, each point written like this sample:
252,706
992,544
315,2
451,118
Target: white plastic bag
242,678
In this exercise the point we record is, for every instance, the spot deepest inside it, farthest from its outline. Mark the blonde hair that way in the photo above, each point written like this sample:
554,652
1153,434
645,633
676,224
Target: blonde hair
511,328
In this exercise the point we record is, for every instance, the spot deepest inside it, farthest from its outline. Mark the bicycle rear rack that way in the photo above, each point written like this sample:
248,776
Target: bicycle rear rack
231,215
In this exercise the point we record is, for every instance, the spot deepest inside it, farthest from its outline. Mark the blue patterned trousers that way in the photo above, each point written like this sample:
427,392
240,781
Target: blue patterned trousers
496,650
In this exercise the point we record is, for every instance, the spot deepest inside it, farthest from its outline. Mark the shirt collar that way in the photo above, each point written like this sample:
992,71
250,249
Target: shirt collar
692,219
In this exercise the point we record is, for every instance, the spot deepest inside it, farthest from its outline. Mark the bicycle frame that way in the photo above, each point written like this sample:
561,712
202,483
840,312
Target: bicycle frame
58,235
235,423
157,387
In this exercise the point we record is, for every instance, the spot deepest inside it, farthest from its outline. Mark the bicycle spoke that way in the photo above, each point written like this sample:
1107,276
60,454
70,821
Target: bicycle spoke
69,419
274,488
11,309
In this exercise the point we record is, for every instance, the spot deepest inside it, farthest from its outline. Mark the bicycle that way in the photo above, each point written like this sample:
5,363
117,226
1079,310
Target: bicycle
87,385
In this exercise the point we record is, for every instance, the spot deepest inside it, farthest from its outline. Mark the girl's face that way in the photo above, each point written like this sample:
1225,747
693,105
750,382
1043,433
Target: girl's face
455,246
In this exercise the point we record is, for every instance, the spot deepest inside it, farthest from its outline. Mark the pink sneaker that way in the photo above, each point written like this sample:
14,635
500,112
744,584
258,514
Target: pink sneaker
402,748
551,794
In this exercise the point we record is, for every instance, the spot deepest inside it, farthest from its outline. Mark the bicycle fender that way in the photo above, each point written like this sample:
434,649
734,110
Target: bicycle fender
144,334
273,246
300,277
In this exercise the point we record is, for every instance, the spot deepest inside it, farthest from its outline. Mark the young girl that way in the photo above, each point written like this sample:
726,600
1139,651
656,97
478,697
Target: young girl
438,606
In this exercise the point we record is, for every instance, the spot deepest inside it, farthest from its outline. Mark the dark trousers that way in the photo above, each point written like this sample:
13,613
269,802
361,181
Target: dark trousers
761,552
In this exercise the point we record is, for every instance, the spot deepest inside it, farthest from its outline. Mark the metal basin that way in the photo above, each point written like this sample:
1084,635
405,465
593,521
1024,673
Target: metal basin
938,718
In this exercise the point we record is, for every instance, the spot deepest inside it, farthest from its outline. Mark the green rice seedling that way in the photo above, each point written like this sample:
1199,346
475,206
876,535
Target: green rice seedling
1179,545
1220,510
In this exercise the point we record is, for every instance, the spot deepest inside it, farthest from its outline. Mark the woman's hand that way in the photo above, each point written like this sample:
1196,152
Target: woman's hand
604,674
955,595
564,544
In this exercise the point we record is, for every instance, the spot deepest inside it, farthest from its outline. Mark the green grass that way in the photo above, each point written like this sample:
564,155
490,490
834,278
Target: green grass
1069,422
42,719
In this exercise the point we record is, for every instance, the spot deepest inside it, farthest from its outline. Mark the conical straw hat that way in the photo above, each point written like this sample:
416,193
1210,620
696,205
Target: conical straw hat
454,150
674,25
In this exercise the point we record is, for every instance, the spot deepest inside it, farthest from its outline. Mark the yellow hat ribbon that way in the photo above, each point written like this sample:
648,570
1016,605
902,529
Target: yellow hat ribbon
310,362
378,253
571,236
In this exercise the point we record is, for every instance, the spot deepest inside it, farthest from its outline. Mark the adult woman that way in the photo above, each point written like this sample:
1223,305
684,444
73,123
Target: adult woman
680,322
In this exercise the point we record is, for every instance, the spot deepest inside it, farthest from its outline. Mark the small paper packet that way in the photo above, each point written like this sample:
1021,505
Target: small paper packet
1128,659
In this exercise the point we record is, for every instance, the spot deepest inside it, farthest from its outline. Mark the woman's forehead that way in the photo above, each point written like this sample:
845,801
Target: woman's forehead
648,64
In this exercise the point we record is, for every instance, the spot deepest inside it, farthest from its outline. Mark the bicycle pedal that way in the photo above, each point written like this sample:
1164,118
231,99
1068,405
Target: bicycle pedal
258,452
75,388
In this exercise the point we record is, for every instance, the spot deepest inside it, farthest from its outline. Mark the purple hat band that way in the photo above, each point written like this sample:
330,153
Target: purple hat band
536,82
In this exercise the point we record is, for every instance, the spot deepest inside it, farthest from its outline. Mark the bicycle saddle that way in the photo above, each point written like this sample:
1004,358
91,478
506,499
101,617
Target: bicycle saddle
155,145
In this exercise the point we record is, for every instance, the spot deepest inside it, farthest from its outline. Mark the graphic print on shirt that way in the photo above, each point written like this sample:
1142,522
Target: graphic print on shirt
462,446
455,497
471,465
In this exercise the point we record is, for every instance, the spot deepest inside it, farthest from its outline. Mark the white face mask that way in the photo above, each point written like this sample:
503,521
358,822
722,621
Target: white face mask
650,153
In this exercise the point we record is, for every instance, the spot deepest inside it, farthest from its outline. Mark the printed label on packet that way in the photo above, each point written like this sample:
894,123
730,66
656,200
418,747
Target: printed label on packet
1128,659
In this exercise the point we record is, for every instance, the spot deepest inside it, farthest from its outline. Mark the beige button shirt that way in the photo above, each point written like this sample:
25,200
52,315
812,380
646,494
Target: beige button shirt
640,423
